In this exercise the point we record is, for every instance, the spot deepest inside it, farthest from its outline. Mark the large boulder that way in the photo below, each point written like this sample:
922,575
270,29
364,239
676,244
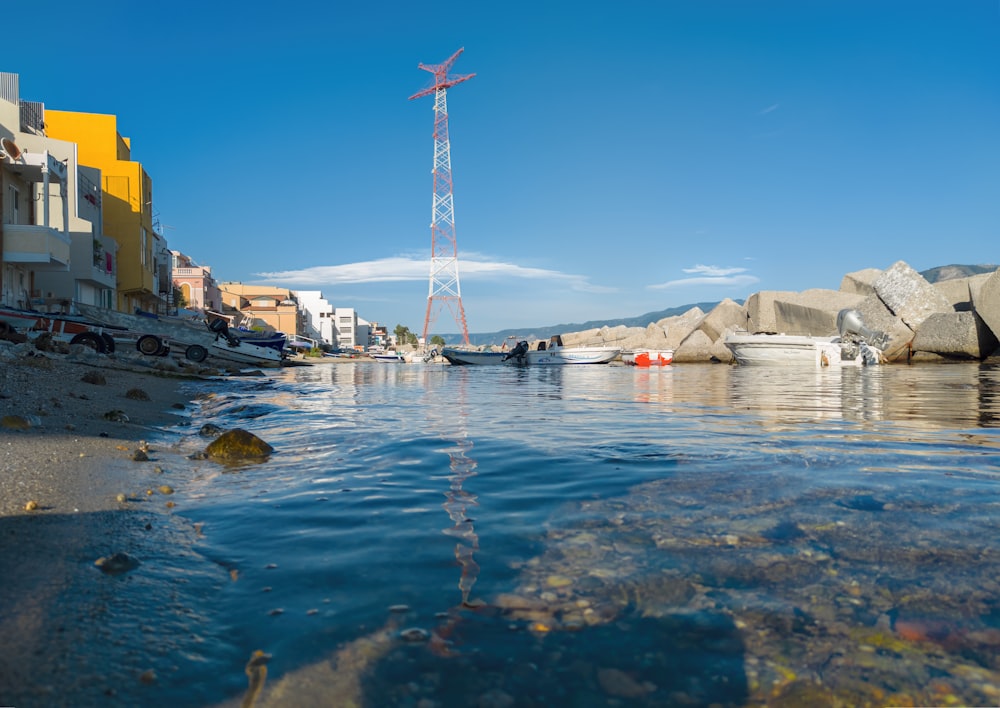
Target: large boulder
728,314
958,291
652,336
986,301
696,347
860,282
678,327
876,316
908,295
813,312
760,317
961,335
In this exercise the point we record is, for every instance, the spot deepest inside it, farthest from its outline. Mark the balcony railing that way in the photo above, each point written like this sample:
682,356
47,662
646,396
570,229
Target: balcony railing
42,247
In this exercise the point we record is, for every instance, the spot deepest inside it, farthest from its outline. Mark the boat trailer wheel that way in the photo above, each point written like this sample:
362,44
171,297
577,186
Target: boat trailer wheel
196,353
149,345
91,340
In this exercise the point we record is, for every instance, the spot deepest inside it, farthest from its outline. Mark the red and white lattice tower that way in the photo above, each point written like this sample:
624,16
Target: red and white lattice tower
444,286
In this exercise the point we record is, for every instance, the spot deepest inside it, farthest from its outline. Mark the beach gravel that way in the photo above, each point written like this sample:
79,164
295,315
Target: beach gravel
73,491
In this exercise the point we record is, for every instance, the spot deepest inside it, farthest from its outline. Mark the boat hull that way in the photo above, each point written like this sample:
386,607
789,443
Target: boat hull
244,352
560,356
467,357
645,358
793,350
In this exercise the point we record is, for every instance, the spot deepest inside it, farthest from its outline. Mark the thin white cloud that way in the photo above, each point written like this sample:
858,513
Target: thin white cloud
770,108
409,268
713,271
732,282
709,275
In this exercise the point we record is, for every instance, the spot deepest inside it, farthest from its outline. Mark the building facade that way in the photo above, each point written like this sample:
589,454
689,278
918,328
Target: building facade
317,316
263,306
52,243
143,268
195,283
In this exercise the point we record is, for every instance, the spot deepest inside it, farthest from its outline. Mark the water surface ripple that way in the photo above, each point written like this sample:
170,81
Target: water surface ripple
429,535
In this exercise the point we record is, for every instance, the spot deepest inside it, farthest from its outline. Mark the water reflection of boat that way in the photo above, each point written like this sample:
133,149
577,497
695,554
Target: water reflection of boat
799,395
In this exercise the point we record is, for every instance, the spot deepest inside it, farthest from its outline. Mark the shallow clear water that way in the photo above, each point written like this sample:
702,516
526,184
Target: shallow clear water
429,535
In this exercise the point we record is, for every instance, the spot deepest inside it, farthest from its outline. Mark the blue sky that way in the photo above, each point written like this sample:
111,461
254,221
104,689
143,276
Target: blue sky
609,158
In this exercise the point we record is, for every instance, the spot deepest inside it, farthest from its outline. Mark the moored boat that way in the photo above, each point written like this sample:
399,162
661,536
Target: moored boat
644,358
855,346
555,354
475,357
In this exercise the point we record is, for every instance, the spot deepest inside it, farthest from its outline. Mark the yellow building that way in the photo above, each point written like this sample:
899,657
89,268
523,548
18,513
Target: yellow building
274,308
127,205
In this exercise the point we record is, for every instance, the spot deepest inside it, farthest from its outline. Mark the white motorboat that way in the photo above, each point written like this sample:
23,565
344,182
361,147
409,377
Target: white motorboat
243,351
555,354
476,357
856,346
389,357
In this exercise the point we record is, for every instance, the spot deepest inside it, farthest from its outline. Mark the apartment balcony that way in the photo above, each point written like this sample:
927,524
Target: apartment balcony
40,247
190,273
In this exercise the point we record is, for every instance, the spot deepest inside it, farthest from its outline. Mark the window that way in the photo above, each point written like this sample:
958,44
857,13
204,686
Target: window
15,209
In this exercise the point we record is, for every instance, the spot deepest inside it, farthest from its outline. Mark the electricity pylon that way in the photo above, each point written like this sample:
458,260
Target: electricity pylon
444,288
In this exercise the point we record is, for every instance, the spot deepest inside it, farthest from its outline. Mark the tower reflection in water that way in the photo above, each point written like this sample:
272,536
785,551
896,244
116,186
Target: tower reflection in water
459,501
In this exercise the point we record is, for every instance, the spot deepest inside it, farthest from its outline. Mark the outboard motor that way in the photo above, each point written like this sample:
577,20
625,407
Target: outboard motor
849,323
221,329
517,352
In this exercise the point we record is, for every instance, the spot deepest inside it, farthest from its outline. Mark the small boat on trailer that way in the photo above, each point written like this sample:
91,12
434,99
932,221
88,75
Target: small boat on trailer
65,328
197,338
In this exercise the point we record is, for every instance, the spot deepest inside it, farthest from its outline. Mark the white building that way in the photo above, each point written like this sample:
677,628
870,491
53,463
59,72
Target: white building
345,325
318,315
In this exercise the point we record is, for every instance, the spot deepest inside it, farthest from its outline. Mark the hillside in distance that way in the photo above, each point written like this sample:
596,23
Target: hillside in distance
932,275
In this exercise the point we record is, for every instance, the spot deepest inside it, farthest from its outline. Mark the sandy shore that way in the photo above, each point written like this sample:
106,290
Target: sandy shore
69,427
72,491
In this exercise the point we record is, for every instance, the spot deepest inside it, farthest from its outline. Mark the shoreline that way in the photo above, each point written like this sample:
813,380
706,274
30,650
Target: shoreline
68,444
95,498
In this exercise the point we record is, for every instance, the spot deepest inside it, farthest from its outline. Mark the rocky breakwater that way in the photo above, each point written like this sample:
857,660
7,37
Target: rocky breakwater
953,319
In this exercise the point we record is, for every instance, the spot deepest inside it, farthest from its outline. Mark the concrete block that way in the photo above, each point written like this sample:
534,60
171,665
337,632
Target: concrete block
908,295
961,335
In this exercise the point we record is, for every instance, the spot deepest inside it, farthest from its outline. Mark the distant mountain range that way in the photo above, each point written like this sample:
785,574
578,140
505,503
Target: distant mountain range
932,275
948,272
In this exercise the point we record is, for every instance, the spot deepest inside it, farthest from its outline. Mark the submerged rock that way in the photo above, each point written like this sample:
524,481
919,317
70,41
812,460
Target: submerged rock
238,444
117,564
